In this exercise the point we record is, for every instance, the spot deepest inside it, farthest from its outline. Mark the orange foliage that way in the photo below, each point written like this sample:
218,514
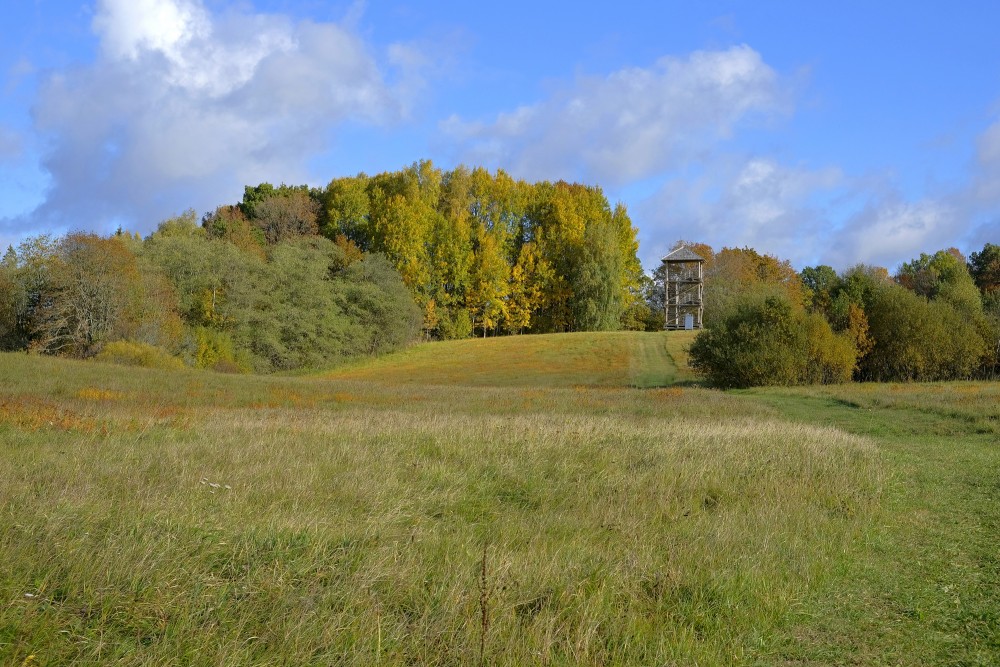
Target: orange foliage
352,253
32,414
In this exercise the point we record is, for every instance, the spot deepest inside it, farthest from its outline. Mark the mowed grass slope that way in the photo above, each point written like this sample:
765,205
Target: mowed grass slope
404,512
611,359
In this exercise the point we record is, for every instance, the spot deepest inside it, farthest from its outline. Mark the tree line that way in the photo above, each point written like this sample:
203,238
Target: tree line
481,253
936,318
183,294
293,276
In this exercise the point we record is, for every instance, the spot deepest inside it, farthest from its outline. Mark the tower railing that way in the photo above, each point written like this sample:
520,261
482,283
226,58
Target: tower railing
684,291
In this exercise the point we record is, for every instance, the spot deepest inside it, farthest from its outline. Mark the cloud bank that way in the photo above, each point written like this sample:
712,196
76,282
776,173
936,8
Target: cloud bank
742,201
675,127
183,107
631,123
185,104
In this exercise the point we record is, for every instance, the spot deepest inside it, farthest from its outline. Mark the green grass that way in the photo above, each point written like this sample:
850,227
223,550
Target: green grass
926,589
612,359
599,508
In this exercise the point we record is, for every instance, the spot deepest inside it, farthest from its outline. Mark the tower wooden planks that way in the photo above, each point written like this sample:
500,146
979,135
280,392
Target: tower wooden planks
685,289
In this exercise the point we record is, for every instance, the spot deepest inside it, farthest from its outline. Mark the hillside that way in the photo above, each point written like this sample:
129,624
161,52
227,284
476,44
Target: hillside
611,359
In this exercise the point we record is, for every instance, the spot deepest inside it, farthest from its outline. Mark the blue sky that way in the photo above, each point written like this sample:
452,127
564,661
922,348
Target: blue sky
837,133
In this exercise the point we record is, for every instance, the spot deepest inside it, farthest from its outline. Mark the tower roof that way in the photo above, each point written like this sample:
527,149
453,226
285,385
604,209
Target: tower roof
683,254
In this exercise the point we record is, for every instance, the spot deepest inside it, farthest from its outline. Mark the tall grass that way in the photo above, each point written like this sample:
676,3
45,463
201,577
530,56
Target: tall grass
156,518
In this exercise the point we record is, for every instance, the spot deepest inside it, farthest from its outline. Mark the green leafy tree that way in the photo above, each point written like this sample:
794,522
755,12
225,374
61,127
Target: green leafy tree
374,296
598,300
526,296
638,316
287,216
943,275
734,273
457,239
488,282
254,195
320,309
213,279
584,242
452,257
346,210
820,284
402,216
655,296
229,223
914,339
300,323
13,304
29,272
984,266
765,339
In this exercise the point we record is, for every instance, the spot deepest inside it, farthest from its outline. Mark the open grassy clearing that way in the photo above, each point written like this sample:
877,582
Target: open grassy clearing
189,518
611,359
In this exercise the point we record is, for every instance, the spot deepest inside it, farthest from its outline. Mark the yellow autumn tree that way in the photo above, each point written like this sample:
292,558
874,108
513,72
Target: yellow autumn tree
489,282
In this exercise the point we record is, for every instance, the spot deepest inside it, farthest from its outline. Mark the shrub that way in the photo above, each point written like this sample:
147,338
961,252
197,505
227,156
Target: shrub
131,353
766,341
214,349
456,325
831,357
917,339
989,330
383,314
13,304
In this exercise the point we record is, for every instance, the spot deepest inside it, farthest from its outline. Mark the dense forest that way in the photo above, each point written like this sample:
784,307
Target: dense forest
487,253
293,277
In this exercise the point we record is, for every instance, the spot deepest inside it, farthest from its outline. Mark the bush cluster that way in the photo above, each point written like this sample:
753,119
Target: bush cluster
938,318
184,294
767,341
132,353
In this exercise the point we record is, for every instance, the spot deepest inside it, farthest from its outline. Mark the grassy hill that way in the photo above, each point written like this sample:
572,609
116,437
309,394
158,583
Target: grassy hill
507,501
612,359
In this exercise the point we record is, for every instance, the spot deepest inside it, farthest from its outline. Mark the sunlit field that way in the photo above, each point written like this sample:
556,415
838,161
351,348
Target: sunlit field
555,500
612,359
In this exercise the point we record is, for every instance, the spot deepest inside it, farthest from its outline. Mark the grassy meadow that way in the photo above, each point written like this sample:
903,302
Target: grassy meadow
607,359
553,500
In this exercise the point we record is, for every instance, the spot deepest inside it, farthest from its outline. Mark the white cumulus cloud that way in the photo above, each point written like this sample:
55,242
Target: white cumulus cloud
630,124
675,128
185,105
888,231
129,27
755,201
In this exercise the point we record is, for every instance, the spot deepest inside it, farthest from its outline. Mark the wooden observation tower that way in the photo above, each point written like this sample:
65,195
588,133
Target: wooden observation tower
685,289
